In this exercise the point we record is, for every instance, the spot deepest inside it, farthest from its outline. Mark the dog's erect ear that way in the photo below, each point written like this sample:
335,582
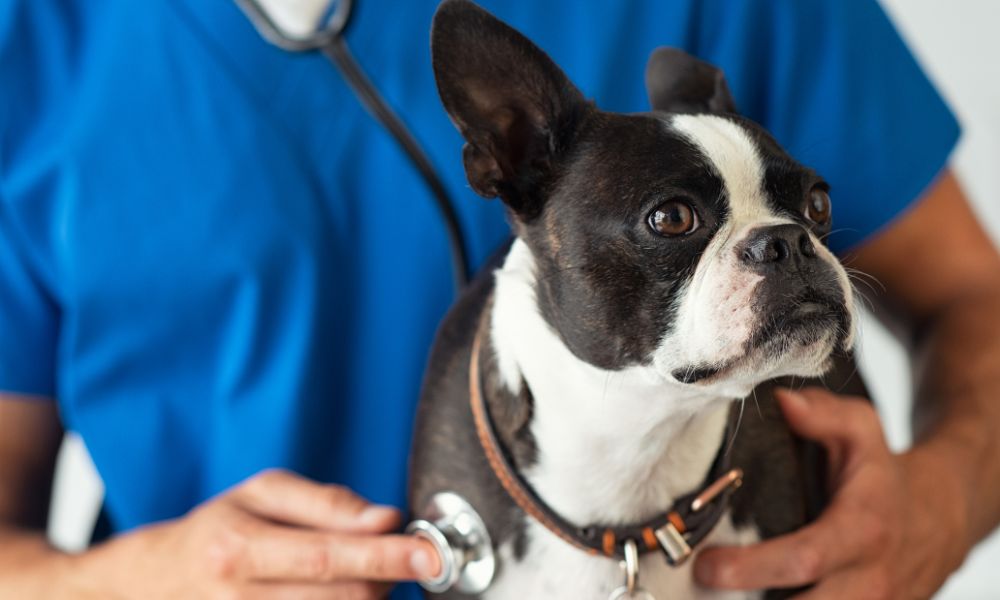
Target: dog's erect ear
679,82
513,105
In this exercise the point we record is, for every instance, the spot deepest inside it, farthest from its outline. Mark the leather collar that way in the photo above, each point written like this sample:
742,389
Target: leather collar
676,531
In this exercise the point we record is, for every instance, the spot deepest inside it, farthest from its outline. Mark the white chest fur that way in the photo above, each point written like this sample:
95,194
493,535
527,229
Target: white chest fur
613,447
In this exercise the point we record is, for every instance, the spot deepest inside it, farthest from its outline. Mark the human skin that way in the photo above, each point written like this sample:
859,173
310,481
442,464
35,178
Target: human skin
897,526
277,535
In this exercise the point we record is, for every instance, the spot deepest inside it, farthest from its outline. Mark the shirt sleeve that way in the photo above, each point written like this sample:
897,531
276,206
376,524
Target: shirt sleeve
837,86
28,312
28,320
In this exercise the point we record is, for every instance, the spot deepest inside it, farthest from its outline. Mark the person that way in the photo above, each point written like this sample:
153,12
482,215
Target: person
221,273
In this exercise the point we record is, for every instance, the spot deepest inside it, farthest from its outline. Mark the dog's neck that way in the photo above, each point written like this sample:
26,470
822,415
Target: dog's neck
611,446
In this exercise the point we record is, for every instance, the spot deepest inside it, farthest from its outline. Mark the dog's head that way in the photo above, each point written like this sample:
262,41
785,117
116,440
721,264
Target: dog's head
684,239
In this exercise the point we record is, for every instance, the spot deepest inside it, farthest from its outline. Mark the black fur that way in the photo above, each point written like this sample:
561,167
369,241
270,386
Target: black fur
580,184
679,82
516,121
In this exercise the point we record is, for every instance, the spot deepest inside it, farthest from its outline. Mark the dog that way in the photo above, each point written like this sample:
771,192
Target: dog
664,266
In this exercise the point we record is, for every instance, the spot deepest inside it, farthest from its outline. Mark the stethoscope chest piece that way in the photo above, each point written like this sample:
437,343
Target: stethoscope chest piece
462,543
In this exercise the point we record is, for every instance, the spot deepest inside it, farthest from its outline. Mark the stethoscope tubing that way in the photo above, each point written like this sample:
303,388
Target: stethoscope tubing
331,43
340,55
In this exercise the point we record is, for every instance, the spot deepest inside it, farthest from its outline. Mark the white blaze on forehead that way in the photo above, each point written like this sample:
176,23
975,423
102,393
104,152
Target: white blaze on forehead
734,155
717,313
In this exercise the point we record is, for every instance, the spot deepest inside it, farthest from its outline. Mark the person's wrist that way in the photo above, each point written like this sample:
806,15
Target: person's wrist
939,519
101,571
77,576
46,576
30,566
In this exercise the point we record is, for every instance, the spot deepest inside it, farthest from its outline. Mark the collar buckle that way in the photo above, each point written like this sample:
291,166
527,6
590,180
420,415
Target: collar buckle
672,536
673,544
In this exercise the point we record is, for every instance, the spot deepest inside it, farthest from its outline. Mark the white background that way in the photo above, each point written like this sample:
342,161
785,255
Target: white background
957,42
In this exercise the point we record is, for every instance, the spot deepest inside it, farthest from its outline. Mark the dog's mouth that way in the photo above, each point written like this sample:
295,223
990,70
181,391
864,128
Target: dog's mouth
807,319
804,320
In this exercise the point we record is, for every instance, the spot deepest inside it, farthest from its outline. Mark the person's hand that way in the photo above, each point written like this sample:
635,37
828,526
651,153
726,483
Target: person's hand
276,536
894,527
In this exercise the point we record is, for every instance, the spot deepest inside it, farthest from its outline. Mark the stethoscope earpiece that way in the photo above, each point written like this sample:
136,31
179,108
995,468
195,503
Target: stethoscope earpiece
300,26
462,542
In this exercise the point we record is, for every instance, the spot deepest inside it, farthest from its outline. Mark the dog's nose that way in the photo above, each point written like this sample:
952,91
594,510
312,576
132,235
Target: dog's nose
776,244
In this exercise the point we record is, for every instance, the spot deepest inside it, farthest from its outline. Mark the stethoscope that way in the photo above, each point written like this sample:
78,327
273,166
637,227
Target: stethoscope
281,22
450,524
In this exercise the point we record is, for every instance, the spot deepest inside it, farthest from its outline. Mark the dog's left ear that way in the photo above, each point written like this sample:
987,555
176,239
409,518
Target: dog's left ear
513,105
679,82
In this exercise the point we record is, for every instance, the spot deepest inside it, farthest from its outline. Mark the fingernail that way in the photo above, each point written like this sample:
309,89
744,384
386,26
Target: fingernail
377,515
423,566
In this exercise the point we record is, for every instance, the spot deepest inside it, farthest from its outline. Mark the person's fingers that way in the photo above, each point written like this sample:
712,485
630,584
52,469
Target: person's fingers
838,539
851,583
275,553
832,420
289,498
352,590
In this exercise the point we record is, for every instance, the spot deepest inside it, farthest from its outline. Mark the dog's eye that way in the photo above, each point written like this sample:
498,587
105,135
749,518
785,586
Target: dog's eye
818,206
674,217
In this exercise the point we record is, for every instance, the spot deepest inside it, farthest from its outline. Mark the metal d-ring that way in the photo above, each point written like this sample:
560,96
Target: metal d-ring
631,589
631,566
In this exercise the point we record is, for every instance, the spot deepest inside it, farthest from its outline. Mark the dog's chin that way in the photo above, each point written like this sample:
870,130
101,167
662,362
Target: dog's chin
800,343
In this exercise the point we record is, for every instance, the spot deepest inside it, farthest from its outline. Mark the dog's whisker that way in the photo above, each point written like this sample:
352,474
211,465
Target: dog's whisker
862,298
860,275
856,282
826,235
736,429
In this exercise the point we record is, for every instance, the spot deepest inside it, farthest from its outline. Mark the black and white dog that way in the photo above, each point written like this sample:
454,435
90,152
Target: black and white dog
664,265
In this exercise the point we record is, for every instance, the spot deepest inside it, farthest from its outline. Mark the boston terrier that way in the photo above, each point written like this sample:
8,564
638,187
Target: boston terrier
583,394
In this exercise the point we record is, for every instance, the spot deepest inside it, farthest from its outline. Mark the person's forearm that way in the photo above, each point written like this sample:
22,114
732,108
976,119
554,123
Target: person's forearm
29,566
957,412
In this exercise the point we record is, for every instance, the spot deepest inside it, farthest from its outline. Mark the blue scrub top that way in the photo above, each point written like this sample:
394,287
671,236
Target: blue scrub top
217,262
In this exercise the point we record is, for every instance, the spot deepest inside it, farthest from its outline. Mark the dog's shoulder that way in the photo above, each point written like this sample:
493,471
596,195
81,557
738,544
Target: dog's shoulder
443,424
447,455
